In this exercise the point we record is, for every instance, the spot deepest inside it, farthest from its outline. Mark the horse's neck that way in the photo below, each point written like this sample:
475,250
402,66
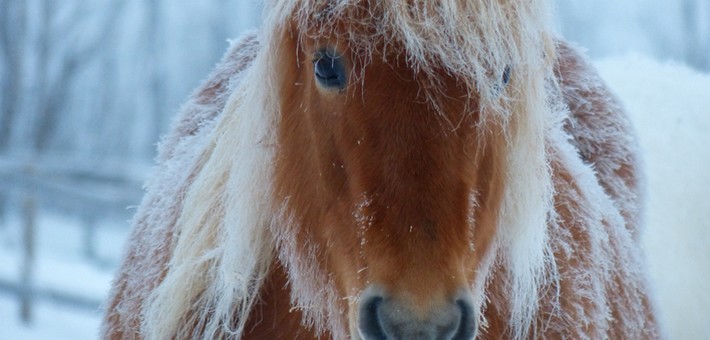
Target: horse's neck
272,317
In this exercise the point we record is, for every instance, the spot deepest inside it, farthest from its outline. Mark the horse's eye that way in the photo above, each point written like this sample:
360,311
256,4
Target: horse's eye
329,70
506,75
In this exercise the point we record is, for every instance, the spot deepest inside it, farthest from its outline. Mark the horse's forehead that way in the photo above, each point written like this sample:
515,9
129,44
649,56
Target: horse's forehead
357,24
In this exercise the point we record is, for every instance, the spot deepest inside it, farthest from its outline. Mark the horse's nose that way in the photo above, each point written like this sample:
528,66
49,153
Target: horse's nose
383,318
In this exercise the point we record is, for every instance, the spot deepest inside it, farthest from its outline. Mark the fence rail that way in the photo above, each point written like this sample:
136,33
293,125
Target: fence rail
77,188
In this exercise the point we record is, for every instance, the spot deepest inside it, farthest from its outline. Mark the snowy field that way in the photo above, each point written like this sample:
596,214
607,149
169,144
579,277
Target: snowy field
62,267
669,104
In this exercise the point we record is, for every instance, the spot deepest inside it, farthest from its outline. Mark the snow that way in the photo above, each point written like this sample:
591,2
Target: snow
60,267
51,322
668,104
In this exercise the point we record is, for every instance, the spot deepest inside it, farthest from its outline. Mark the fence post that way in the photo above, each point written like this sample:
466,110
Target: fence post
89,222
3,210
29,210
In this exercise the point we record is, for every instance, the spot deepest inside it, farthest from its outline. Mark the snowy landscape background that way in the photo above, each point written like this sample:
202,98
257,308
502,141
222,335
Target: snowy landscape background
87,88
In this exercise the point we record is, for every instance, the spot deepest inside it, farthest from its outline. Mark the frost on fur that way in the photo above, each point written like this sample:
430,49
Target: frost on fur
182,154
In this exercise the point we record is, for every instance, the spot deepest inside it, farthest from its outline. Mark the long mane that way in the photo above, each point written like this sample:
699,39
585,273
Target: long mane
229,230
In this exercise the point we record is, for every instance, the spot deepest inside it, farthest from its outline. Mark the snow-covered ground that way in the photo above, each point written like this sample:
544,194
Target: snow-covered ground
60,267
52,321
669,105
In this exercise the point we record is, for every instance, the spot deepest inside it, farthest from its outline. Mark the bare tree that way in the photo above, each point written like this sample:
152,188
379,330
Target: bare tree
696,38
155,28
56,56
13,21
691,32
53,91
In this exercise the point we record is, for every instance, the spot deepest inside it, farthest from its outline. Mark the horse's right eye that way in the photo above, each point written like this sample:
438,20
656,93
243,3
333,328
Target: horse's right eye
329,71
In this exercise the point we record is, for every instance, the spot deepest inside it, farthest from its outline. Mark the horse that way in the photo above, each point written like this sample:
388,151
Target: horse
392,169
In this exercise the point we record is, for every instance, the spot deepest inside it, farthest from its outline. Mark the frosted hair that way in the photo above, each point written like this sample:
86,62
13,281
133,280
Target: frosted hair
223,247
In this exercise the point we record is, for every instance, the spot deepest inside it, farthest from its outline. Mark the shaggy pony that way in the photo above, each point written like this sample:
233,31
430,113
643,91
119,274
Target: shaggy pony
564,260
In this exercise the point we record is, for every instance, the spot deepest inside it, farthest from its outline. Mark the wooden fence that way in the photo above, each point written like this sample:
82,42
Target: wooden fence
78,188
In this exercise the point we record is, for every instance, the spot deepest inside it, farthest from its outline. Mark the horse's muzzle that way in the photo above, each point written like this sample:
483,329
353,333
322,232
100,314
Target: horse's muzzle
383,318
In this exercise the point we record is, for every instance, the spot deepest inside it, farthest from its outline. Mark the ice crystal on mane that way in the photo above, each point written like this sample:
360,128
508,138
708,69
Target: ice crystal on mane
222,249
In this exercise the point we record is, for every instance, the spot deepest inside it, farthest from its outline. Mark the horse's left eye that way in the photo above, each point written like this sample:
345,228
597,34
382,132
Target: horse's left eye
329,70
506,75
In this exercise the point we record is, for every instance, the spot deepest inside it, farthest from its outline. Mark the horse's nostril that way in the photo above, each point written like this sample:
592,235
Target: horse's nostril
382,317
370,325
467,324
